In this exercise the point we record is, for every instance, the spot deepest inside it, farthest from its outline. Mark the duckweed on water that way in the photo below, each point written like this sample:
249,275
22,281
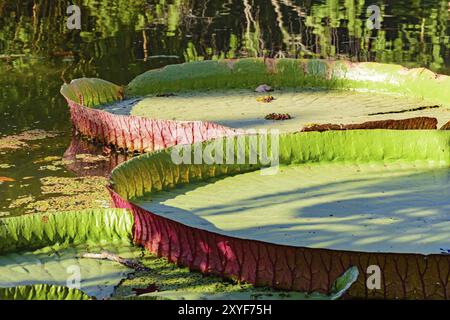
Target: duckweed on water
21,140
72,194
48,159
21,201
90,158
70,186
50,168
65,194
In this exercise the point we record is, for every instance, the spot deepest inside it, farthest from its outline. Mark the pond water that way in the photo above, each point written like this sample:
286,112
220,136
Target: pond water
120,39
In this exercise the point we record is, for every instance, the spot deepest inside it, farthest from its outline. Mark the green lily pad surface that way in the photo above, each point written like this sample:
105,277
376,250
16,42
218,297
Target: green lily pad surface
240,108
393,207
92,92
375,191
292,73
42,292
310,91
48,248
57,265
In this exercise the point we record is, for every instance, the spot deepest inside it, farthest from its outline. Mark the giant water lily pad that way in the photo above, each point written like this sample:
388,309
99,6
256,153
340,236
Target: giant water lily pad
92,92
390,207
362,190
387,93
250,73
47,249
240,109
337,198
198,101
56,265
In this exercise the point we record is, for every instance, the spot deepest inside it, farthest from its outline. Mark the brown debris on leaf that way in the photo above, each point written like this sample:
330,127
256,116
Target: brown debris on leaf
278,116
149,289
265,99
165,95
418,123
105,255
445,126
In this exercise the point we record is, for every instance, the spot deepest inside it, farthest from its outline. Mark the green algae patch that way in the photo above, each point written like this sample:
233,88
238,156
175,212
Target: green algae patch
21,201
50,187
52,163
65,194
42,292
90,158
23,139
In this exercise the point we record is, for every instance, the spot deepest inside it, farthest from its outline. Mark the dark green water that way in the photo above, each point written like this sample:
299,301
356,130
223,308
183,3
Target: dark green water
121,39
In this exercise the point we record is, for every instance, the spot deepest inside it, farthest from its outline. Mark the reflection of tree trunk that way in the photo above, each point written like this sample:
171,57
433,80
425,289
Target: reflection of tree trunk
277,8
35,9
250,21
422,31
145,44
36,33
287,38
295,7
301,14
